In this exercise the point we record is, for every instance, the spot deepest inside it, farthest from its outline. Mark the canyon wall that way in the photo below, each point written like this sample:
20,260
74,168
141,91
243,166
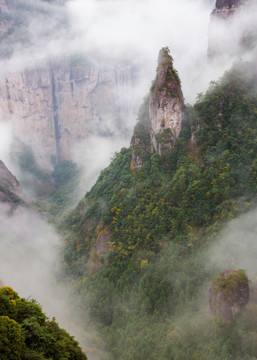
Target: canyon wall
58,105
53,106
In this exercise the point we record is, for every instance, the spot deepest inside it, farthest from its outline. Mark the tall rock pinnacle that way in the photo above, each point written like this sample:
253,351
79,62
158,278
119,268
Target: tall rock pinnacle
166,104
163,113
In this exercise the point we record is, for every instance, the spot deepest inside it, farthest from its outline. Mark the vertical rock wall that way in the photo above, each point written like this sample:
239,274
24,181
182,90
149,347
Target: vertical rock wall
54,107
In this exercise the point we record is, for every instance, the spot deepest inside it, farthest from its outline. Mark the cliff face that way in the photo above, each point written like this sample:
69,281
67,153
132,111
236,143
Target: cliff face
53,107
163,113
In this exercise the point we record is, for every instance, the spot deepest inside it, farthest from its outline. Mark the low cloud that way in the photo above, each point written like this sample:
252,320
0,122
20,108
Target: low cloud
236,246
92,156
114,31
30,264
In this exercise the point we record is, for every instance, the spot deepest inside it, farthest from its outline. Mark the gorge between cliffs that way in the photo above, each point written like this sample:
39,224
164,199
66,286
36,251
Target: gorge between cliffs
128,180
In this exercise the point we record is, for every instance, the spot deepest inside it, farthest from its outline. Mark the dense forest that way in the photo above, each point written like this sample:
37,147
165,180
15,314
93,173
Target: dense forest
136,243
27,334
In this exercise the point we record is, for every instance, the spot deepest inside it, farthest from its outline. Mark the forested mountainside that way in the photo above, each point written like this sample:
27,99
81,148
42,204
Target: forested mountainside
26,332
135,245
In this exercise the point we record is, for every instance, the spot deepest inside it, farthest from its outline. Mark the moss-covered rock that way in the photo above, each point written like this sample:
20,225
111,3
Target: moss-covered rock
229,294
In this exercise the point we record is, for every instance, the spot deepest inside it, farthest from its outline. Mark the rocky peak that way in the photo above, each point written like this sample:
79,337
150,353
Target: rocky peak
229,294
163,113
166,104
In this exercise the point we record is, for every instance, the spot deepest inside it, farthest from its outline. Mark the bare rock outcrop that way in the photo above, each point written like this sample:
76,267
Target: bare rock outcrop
161,116
166,105
229,294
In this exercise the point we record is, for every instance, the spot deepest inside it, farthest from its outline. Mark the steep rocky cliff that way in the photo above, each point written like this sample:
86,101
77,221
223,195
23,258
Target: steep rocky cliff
58,103
163,116
54,104
54,107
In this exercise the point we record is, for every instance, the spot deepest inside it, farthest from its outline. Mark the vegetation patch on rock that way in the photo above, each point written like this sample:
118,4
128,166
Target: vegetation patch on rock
229,294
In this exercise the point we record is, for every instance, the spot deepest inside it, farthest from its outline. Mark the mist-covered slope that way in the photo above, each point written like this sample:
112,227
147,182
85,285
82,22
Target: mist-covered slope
139,245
